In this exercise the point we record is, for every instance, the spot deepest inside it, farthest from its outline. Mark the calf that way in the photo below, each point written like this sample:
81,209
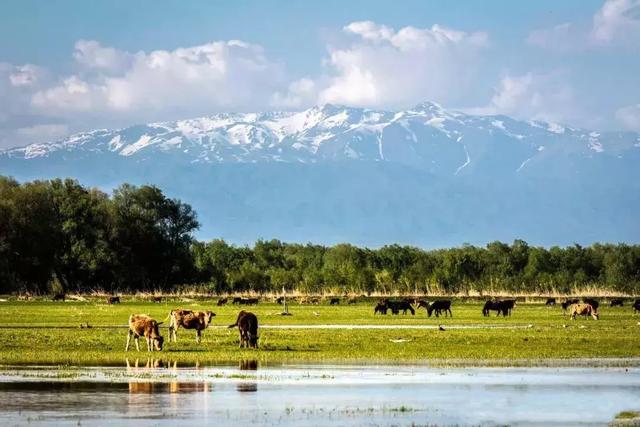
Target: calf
113,300
593,303
247,324
188,319
222,301
582,309
439,306
550,301
143,325
334,301
617,302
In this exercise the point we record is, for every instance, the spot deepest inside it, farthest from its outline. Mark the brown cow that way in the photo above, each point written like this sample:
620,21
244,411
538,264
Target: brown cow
143,325
188,319
247,324
222,301
582,309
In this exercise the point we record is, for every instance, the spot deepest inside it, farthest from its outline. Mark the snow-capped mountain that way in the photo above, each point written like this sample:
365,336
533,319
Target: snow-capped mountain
425,175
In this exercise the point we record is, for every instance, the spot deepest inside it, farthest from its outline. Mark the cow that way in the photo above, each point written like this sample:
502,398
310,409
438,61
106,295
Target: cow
381,308
550,301
403,305
113,300
143,325
509,305
582,309
236,300
222,301
157,300
188,319
503,307
247,324
617,302
58,297
593,303
334,301
280,300
439,306
249,301
568,302
636,306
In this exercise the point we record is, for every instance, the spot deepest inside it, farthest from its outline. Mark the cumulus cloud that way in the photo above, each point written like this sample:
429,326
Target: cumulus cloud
300,93
546,97
616,23
379,66
629,117
194,80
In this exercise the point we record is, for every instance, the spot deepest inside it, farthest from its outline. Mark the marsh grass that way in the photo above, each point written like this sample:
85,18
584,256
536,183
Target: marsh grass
543,335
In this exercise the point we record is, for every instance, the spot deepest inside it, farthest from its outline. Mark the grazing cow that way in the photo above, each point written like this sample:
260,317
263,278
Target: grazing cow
222,301
568,302
617,302
143,325
503,307
58,297
550,301
439,306
334,301
188,319
403,305
636,306
249,301
247,324
593,303
236,300
113,300
582,309
157,300
381,308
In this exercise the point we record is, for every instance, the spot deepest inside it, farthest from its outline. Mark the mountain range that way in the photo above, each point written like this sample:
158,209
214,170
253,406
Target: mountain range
425,176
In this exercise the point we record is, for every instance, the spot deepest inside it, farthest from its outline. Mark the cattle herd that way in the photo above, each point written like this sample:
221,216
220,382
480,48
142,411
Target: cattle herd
141,325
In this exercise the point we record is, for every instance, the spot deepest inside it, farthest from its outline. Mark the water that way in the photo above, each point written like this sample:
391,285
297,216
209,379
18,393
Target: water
316,395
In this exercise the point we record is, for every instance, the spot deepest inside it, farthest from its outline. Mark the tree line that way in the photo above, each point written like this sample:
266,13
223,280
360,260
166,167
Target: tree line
58,235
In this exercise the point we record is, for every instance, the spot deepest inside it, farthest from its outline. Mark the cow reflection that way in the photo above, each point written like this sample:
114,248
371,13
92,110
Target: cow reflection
247,387
248,365
136,387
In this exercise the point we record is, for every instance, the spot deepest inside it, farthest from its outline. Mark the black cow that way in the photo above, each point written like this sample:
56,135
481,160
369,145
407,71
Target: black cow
334,301
503,307
58,297
404,305
236,300
113,300
439,306
593,303
617,302
222,301
550,301
247,324
636,306
249,301
422,304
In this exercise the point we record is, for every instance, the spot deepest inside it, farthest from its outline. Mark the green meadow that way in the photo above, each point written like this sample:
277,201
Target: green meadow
56,333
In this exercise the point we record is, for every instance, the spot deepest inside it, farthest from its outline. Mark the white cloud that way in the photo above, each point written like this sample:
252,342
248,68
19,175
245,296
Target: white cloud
194,80
27,75
546,97
616,23
380,66
300,93
629,117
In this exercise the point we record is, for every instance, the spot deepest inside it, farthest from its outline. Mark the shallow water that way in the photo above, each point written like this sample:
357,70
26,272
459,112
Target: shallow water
316,395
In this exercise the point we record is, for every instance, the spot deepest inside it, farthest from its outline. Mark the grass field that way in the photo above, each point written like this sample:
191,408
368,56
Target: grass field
535,335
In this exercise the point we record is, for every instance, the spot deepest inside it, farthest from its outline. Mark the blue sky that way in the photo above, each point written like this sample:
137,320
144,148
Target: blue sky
67,66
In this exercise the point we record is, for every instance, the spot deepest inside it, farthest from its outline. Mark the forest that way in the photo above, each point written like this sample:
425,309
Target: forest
60,236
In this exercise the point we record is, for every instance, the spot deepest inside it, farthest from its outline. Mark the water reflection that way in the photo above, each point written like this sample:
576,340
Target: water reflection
138,387
248,365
